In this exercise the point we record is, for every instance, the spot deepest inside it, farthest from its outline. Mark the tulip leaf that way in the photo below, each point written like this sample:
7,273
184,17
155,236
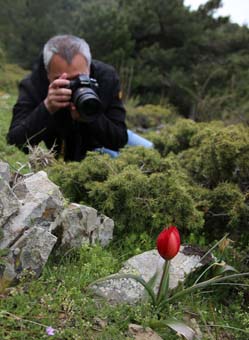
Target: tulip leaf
152,281
224,268
204,284
181,328
178,326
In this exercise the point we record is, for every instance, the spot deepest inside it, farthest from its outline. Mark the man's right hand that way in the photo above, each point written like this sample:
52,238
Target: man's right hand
58,95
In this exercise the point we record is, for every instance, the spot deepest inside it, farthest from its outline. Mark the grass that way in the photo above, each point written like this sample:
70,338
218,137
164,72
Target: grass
8,153
10,76
60,298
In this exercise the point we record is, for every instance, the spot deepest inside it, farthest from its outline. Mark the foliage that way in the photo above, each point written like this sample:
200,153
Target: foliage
10,77
8,153
227,207
168,244
104,25
174,137
218,153
150,116
59,297
140,190
200,178
163,51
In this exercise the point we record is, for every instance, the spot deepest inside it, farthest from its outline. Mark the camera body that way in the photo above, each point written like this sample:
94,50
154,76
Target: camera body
85,97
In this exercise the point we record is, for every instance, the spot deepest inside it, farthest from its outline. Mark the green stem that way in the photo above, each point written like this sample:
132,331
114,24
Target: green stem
164,283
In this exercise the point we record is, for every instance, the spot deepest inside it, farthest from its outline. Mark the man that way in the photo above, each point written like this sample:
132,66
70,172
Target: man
45,111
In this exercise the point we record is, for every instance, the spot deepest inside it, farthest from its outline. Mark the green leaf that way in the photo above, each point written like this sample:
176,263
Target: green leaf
181,328
152,281
204,284
222,268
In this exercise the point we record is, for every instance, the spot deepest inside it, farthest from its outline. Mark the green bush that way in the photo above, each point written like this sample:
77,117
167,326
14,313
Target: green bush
227,211
174,137
197,177
140,190
218,154
75,178
150,116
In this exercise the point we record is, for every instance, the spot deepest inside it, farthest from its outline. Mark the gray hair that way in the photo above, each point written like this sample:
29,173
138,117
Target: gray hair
66,46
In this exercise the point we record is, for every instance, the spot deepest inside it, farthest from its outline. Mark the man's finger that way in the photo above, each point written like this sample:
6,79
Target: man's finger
63,76
61,91
60,98
59,83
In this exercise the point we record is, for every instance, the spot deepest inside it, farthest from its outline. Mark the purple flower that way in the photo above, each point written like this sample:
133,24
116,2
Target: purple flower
50,330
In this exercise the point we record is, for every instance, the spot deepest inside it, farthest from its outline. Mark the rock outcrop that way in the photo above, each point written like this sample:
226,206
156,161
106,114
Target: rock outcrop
34,218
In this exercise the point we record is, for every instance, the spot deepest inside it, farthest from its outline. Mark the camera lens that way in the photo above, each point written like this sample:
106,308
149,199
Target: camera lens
87,102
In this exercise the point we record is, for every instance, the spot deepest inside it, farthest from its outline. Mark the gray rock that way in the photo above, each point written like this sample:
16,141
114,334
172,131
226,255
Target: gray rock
9,204
81,225
37,186
104,231
32,214
40,204
127,290
5,171
30,252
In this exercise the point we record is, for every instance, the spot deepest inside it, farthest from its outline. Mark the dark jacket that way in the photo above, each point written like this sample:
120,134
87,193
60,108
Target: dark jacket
32,123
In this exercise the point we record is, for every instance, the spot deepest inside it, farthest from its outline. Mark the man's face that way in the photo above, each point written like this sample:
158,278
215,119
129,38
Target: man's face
59,66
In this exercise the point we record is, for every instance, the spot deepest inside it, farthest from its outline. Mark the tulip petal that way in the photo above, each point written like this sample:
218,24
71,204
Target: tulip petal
168,243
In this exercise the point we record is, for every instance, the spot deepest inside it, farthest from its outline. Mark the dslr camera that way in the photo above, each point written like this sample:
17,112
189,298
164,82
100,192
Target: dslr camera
85,97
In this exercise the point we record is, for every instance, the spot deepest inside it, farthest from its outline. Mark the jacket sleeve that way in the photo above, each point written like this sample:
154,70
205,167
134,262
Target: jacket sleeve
30,118
110,128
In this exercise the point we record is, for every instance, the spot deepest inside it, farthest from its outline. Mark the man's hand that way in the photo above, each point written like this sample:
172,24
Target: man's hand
58,96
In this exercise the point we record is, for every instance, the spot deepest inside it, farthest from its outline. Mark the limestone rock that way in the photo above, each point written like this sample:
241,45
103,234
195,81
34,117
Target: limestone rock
81,225
40,204
146,265
32,215
30,252
104,233
5,171
9,204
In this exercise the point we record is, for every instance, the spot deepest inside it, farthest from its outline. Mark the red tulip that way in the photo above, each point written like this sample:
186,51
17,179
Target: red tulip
168,243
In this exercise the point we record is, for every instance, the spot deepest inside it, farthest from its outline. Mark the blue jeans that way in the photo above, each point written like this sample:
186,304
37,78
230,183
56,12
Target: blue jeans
133,140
